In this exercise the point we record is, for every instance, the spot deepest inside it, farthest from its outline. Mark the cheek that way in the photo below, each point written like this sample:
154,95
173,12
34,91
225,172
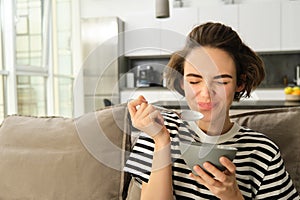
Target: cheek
224,92
189,90
229,93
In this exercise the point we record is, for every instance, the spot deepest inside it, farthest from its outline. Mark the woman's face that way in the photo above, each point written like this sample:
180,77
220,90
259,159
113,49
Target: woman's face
210,82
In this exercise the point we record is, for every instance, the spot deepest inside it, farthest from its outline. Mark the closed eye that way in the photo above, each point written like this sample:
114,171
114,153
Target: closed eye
222,82
193,79
194,82
223,79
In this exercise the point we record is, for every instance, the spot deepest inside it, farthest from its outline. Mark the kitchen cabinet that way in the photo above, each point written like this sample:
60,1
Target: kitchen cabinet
142,34
175,29
147,35
226,14
259,25
290,30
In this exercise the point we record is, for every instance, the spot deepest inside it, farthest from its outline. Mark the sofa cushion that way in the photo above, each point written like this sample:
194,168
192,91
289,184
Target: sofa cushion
282,125
44,158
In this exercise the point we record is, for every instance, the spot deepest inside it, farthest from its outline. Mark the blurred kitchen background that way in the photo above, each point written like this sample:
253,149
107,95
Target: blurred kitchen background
69,57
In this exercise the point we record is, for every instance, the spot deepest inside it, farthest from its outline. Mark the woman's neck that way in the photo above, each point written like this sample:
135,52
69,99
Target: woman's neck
217,127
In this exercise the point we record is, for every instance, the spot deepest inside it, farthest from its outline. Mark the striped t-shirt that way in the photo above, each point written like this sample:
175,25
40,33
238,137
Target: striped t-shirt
260,171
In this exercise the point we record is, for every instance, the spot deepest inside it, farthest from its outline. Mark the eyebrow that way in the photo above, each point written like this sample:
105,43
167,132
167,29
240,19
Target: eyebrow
216,77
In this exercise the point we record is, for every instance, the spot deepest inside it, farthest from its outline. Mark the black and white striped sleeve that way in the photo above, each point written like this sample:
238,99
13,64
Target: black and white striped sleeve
277,183
139,163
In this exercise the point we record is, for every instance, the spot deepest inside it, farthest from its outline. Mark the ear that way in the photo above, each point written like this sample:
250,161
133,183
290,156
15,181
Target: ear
241,83
181,84
240,87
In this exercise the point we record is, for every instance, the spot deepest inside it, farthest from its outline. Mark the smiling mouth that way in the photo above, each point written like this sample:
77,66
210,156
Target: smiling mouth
206,106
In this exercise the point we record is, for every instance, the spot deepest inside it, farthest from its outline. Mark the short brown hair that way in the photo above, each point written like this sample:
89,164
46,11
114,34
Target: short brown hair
249,66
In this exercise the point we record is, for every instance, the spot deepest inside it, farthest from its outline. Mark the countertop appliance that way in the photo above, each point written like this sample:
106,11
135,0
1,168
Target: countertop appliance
144,76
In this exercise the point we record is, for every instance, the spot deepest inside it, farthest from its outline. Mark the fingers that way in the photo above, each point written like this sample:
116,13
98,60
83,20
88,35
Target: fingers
204,178
146,111
228,164
218,175
132,105
145,117
222,184
221,176
139,108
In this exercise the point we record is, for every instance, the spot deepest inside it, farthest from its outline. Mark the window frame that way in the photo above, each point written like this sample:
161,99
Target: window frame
12,70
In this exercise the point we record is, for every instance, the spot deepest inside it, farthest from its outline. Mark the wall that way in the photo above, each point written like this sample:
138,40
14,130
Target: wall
279,66
95,8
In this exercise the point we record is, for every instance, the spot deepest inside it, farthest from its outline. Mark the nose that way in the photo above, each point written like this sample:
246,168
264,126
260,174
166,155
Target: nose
204,90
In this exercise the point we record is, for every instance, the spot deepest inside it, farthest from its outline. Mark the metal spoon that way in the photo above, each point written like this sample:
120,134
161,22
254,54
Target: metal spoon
191,115
186,115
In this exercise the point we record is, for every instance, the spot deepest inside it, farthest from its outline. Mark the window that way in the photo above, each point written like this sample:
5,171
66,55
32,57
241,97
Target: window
31,95
31,87
63,70
29,37
2,80
63,88
39,50
2,95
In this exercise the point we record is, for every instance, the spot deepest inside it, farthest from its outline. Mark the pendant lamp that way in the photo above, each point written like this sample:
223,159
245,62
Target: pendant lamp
162,8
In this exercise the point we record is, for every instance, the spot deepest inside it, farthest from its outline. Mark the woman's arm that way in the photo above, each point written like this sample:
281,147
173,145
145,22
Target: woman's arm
159,185
147,119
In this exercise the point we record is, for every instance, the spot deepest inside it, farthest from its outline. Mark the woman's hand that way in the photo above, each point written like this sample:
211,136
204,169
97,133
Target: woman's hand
223,184
149,120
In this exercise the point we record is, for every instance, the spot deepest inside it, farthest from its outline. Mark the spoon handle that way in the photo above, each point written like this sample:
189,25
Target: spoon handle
186,115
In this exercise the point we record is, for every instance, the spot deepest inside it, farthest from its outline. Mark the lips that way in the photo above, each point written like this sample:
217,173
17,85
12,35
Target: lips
206,106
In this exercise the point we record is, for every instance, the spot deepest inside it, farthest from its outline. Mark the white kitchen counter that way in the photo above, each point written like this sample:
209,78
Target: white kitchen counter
154,94
267,94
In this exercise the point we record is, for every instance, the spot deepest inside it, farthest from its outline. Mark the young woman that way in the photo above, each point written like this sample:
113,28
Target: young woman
213,69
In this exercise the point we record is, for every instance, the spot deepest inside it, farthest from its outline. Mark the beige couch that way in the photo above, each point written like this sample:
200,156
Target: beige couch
55,158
